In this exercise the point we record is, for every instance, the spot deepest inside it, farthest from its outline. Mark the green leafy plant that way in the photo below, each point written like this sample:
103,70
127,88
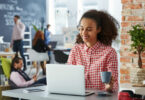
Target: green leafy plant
138,41
35,28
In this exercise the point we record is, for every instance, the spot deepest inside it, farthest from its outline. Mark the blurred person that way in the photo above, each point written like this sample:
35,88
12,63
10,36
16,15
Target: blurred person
17,38
38,44
20,78
47,34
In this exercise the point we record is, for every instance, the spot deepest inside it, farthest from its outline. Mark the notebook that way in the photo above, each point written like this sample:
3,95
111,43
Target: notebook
66,79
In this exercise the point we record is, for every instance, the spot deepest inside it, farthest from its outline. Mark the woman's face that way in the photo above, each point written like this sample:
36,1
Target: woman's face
88,31
19,65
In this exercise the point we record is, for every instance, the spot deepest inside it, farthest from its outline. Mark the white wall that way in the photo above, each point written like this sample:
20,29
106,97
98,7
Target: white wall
103,4
115,8
72,7
50,14
75,7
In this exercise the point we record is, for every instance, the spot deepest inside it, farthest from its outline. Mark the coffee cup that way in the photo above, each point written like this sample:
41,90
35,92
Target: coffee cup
105,77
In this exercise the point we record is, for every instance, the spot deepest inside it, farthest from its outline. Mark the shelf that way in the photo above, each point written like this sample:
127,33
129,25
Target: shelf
28,60
26,53
26,46
27,32
27,40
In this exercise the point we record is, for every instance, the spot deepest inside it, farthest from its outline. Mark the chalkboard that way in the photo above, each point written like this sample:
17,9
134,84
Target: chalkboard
30,11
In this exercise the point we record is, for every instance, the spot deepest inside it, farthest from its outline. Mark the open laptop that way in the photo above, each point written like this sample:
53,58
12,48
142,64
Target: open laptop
53,44
66,79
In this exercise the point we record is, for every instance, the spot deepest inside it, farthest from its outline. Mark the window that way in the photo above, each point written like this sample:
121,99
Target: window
61,19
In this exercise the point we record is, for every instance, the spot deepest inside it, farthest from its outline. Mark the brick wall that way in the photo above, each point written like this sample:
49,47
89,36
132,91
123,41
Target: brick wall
133,12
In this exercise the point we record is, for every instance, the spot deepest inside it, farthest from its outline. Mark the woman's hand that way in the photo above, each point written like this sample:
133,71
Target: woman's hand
34,75
35,78
109,87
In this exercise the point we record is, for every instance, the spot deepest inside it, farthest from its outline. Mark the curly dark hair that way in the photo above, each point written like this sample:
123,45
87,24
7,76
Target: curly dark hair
109,26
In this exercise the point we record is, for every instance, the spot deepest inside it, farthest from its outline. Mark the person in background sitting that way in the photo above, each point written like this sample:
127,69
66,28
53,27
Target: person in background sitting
17,38
38,44
93,49
19,77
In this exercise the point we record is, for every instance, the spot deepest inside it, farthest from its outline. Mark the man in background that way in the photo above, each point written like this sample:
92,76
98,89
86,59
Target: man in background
47,34
17,38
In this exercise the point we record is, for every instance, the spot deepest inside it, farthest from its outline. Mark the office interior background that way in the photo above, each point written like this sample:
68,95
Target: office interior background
64,16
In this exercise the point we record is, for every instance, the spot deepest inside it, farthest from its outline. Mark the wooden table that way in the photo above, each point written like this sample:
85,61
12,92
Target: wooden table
4,88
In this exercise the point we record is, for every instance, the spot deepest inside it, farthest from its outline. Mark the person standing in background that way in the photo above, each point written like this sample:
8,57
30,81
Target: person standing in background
17,38
47,34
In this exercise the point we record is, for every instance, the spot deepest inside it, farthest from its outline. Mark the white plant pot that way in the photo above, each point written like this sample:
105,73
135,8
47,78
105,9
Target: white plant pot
137,75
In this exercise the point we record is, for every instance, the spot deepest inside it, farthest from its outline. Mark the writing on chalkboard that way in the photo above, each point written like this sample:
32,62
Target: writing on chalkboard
30,11
13,1
7,7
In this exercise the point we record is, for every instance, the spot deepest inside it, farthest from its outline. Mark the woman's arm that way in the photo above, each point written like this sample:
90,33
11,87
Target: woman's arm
71,58
112,65
19,80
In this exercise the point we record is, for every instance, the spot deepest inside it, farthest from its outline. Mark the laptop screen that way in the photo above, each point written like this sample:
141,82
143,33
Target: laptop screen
53,44
65,79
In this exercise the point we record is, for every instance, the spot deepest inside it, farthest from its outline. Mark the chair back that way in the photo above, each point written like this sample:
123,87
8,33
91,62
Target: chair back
37,56
60,56
12,84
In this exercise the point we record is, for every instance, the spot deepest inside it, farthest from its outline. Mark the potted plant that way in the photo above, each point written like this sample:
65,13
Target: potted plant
138,41
137,34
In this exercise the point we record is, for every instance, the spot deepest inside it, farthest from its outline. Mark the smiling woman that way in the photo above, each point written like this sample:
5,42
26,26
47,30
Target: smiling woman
93,49
88,31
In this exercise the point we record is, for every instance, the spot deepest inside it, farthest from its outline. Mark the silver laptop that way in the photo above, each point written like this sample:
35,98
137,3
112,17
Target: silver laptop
66,79
52,44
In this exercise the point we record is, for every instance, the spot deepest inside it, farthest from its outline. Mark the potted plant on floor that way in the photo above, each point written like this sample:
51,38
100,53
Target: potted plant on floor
137,34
